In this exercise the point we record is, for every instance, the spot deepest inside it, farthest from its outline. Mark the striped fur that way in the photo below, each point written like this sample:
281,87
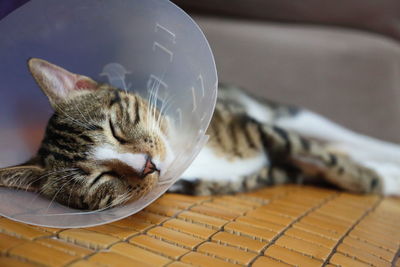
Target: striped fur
244,127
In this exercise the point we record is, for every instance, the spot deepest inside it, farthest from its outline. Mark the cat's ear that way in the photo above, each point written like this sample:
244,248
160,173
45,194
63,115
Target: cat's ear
27,177
57,83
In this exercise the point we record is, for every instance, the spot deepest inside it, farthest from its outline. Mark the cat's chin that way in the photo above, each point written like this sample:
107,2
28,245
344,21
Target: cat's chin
142,187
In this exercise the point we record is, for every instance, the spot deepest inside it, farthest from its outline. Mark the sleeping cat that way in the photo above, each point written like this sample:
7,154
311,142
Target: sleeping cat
104,146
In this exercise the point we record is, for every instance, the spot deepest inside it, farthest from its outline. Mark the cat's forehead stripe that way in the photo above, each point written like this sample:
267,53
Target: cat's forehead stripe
115,99
128,107
137,118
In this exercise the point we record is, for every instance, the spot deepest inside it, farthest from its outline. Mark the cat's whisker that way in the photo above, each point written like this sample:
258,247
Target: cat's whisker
85,124
58,191
80,112
152,119
39,192
82,124
124,86
166,104
123,199
21,183
14,183
18,182
54,182
117,201
148,106
72,190
154,106
155,124
152,96
51,173
88,113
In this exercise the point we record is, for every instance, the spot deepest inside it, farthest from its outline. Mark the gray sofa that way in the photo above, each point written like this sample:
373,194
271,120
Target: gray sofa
339,58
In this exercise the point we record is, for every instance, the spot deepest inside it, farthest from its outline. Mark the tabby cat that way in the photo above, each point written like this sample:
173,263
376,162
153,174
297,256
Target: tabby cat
104,146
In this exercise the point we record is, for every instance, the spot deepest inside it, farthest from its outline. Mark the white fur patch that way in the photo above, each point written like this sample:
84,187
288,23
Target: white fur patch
256,110
209,166
358,146
314,125
136,161
253,108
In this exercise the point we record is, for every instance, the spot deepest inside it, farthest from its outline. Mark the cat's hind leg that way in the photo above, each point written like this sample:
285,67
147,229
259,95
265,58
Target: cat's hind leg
313,160
266,176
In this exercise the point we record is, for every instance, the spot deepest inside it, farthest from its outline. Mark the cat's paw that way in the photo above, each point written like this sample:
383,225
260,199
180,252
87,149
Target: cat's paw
204,187
390,174
183,186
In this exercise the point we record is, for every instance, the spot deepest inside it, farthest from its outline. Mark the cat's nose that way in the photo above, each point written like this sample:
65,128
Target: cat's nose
149,167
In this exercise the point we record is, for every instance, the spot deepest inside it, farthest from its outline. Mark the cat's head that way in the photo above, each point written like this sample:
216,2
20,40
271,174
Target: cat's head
103,146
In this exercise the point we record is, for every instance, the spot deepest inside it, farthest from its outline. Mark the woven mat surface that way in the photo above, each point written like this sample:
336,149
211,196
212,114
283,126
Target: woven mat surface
280,226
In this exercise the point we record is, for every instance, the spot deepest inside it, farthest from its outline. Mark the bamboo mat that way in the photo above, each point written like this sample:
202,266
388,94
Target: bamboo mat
279,226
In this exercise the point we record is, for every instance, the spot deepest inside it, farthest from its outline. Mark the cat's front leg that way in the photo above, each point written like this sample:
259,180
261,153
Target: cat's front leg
266,176
25,177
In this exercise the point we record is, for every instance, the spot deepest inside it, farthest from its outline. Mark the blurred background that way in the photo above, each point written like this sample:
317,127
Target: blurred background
339,58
